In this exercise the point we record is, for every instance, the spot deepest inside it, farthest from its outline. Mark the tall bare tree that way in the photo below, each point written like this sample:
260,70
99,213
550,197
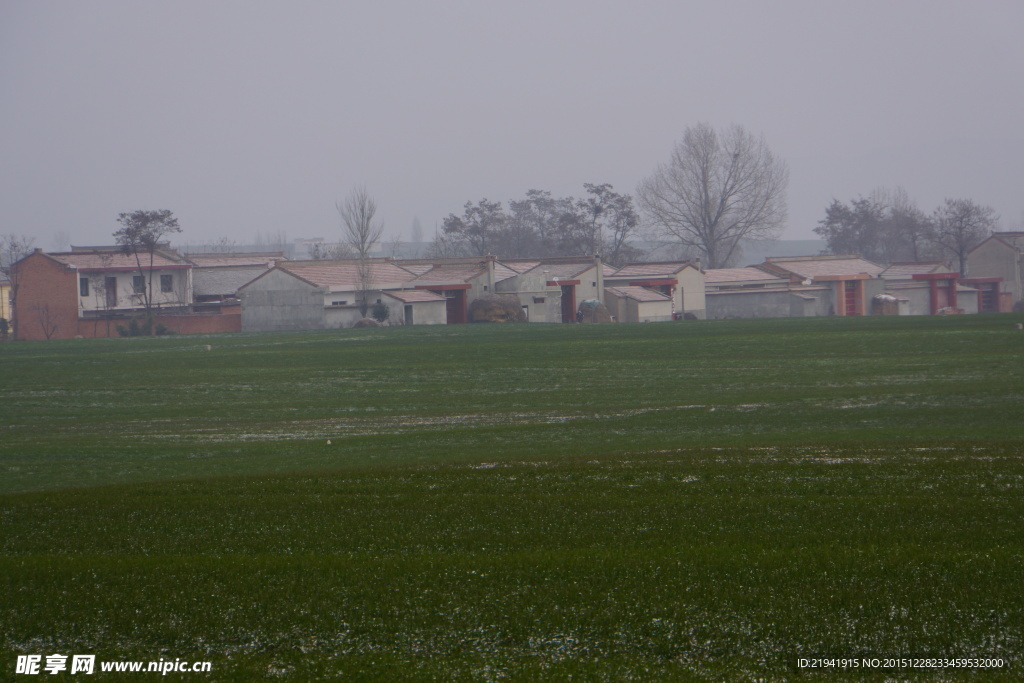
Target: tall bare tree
717,189
361,231
960,225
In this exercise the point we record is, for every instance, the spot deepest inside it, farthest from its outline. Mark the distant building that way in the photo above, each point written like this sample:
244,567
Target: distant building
1000,257
91,291
681,281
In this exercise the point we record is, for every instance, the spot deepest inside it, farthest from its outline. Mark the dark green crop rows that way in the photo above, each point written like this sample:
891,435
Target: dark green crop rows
672,501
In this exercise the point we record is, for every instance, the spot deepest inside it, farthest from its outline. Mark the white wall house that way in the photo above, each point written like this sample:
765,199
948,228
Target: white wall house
682,281
109,281
630,304
1000,259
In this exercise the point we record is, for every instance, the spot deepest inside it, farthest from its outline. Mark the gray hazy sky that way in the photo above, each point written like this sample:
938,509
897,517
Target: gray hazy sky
247,117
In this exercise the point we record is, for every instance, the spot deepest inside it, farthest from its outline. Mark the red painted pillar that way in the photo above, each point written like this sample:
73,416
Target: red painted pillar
840,297
933,296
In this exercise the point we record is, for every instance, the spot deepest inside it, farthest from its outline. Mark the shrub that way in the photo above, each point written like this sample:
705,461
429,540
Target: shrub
496,308
380,312
134,329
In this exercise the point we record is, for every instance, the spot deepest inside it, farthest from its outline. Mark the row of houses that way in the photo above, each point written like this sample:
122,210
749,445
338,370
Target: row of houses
90,291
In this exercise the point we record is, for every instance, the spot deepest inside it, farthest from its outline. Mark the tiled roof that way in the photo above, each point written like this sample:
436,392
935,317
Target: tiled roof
825,266
235,259
521,266
111,260
722,275
410,296
904,271
222,281
450,273
345,273
649,269
638,294
566,271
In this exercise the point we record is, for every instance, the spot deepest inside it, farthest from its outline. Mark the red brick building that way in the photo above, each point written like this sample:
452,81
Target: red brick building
90,291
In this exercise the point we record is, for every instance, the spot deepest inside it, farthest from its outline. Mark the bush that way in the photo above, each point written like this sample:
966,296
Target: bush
496,308
380,312
134,329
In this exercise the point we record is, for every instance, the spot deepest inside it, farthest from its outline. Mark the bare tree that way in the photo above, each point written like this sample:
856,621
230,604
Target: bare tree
141,235
13,248
960,225
359,227
49,322
360,232
717,189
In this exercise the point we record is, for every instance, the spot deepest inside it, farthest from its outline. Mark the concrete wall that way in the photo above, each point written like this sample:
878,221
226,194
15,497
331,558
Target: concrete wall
278,301
775,303
692,298
626,310
996,259
529,287
423,312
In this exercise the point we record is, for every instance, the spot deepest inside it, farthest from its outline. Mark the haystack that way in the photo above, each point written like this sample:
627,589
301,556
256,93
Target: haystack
593,311
496,308
366,322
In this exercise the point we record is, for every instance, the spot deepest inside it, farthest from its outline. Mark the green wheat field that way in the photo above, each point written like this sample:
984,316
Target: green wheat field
706,500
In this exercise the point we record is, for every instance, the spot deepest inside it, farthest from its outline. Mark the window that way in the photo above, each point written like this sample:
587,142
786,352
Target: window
343,302
166,283
138,284
538,299
83,286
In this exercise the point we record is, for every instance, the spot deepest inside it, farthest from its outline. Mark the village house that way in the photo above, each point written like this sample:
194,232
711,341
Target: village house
309,295
853,281
92,291
216,277
995,266
634,304
925,288
681,281
551,290
753,292
327,294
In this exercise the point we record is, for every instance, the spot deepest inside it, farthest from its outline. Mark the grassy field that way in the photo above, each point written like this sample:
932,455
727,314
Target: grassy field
674,501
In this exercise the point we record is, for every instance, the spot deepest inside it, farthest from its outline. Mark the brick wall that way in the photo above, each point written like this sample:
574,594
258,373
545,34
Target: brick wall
47,307
47,298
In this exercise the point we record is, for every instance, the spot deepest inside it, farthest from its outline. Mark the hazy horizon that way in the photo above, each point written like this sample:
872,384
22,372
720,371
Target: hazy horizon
248,118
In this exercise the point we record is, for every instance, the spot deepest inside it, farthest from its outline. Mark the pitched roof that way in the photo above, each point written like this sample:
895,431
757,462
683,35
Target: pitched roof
113,260
904,271
235,259
824,266
566,271
345,273
748,274
641,294
450,273
649,270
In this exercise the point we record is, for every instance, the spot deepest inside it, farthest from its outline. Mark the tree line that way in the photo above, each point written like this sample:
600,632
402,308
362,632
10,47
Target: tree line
539,224
717,189
888,227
